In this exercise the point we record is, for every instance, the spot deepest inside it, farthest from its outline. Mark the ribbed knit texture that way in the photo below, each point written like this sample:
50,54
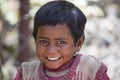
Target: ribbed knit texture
82,68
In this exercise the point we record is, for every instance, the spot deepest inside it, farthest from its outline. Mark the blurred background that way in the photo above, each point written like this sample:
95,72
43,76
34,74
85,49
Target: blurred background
17,44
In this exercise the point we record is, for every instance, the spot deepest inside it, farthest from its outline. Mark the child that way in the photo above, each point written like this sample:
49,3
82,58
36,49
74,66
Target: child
59,35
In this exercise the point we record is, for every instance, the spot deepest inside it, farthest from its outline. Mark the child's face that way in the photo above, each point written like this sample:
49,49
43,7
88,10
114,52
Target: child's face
54,45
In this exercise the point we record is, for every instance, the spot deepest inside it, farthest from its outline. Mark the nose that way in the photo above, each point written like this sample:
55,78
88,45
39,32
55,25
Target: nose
51,49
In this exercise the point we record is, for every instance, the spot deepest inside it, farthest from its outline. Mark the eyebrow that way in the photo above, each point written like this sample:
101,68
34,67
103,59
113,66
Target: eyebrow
62,38
40,37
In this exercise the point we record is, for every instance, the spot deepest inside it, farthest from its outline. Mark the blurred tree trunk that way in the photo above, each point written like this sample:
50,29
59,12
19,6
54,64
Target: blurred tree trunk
24,32
1,73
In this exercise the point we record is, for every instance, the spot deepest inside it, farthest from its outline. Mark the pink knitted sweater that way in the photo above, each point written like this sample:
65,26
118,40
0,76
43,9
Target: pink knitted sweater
82,67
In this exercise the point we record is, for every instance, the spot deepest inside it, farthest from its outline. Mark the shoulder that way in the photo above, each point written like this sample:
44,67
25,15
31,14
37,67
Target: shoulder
27,69
19,74
30,64
91,65
102,73
90,62
30,69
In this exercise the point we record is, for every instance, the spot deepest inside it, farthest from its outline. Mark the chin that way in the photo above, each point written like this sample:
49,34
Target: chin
53,67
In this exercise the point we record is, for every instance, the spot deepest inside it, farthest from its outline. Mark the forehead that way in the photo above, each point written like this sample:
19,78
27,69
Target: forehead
54,31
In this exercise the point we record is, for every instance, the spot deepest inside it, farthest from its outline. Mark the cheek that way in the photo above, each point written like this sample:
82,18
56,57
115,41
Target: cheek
68,53
39,51
68,50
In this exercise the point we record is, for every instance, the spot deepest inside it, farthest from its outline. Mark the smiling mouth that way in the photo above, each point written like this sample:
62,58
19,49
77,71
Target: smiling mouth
53,59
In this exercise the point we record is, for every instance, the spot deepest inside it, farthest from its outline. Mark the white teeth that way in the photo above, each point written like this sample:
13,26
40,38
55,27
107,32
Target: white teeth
52,58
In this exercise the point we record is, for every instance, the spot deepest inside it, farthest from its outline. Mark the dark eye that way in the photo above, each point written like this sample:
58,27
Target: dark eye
43,42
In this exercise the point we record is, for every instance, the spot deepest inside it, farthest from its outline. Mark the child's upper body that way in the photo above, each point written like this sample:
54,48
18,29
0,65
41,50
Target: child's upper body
59,35
80,68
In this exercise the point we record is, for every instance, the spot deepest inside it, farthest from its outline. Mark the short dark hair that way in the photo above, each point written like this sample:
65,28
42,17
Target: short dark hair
61,12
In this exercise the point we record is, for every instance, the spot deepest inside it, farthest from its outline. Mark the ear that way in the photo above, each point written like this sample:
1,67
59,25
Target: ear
79,43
